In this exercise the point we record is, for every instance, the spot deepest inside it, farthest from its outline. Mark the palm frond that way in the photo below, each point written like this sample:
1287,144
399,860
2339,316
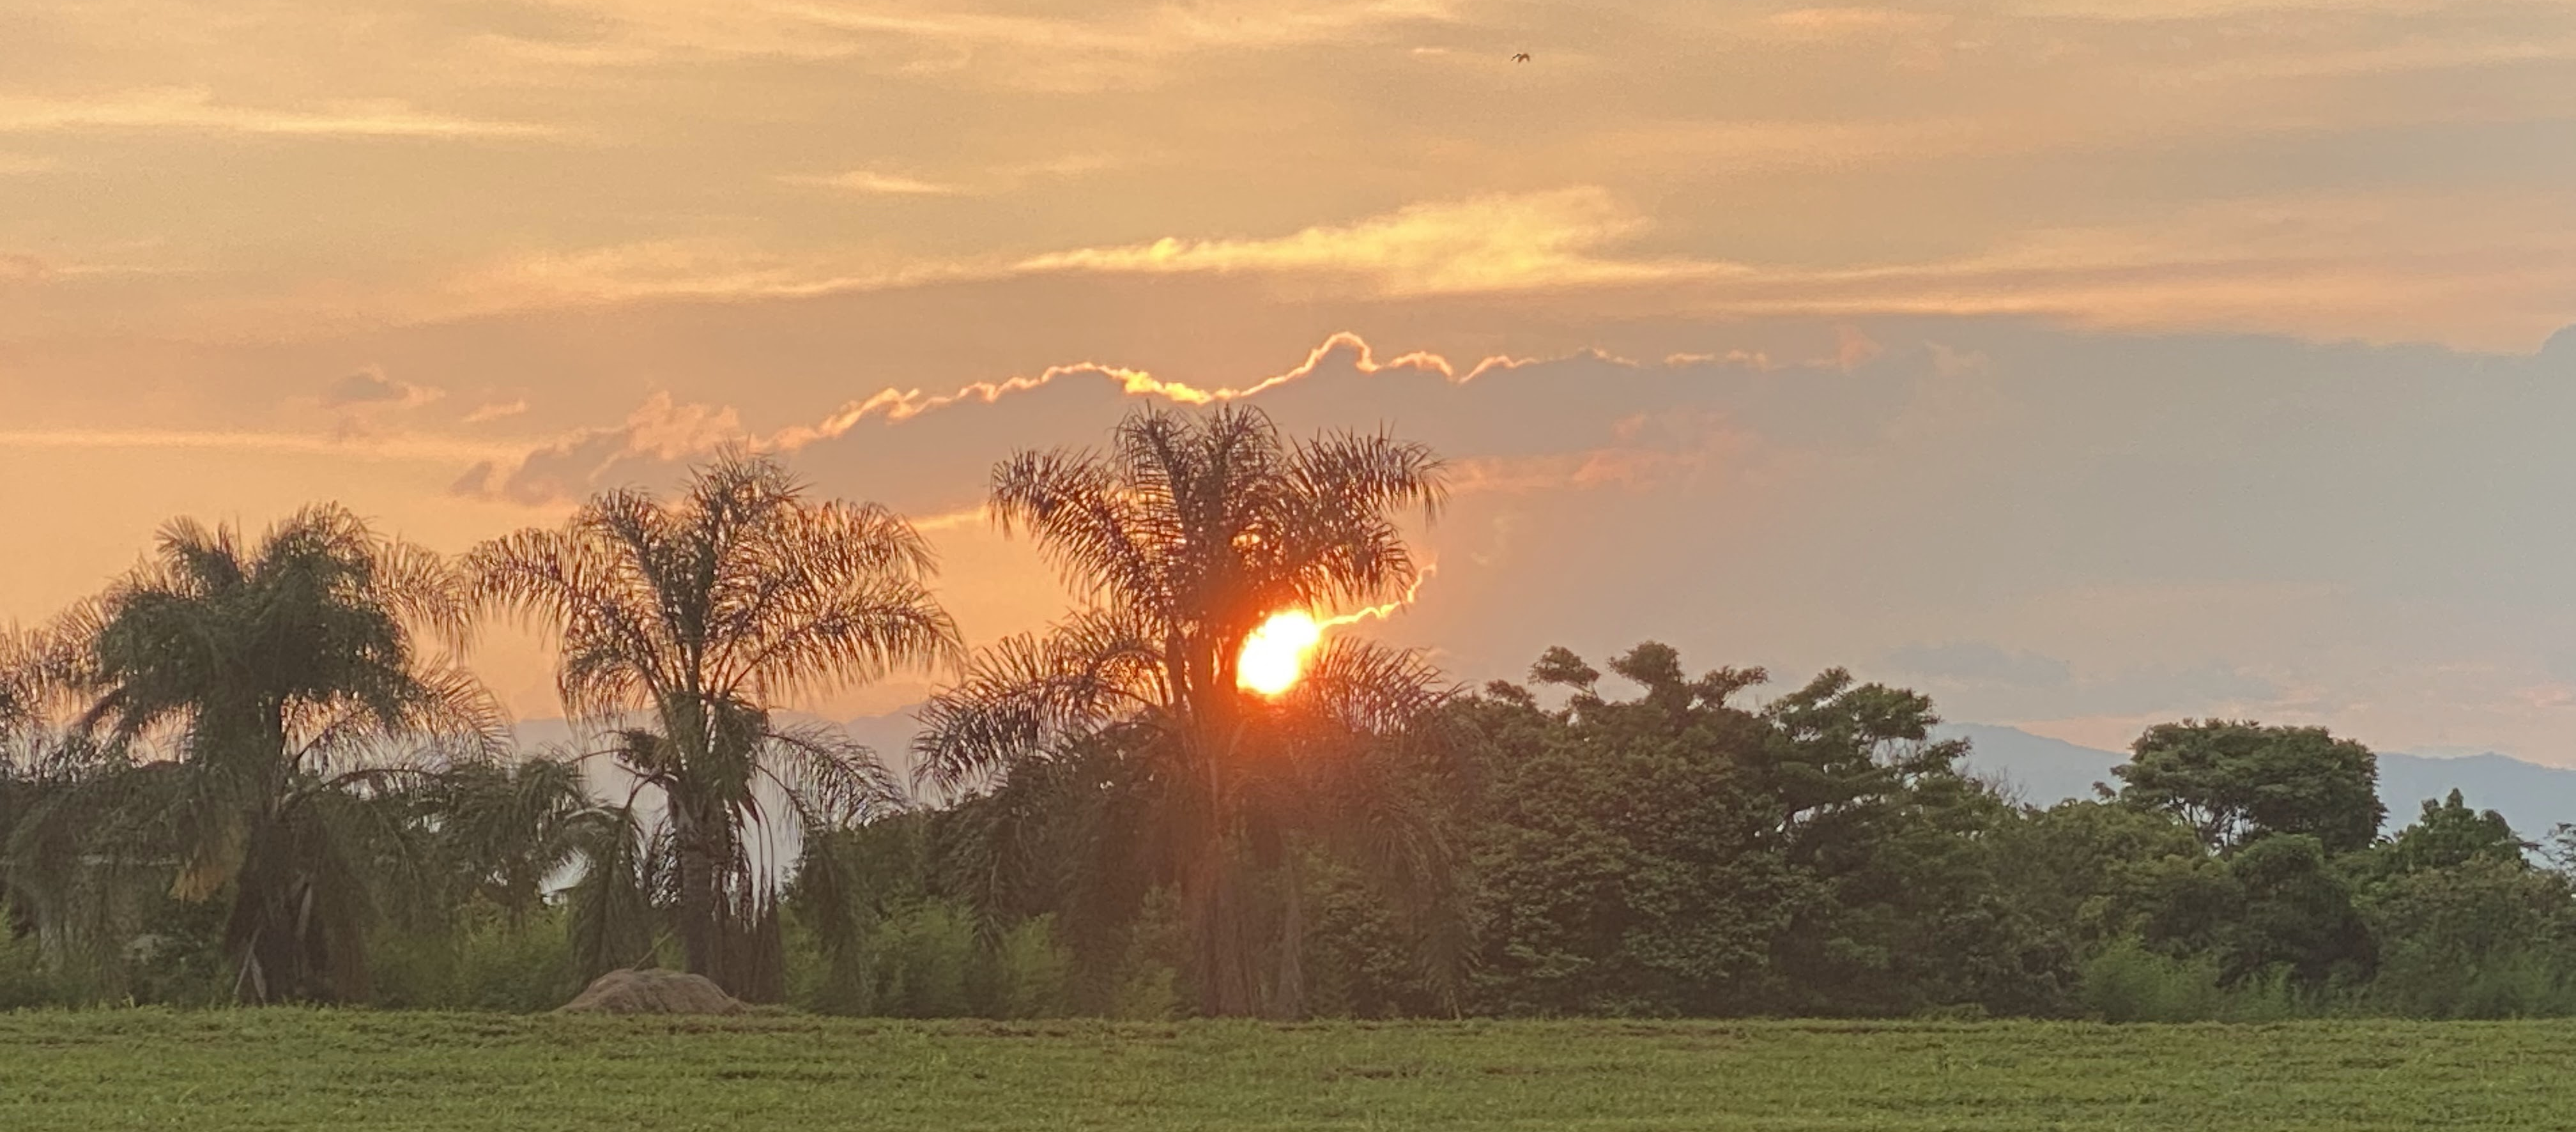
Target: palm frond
1027,695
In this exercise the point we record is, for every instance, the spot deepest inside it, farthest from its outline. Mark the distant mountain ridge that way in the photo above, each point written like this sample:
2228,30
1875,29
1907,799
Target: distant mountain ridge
2043,771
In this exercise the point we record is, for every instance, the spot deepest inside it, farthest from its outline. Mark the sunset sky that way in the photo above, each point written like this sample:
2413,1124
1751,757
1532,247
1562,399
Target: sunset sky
2084,363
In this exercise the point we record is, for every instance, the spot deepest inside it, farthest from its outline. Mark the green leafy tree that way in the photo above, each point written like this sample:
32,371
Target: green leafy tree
285,680
2106,872
1626,858
1676,854
2465,924
1912,913
2481,936
681,625
1185,535
2449,834
2235,783
2292,912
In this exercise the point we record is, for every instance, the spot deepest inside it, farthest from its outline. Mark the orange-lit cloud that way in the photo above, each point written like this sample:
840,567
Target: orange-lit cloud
370,387
568,469
1104,48
1496,243
1645,449
2278,262
407,448
665,430
874,182
198,109
1843,22
496,410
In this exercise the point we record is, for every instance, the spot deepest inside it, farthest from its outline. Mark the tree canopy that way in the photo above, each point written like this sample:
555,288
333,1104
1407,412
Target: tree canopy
253,769
680,625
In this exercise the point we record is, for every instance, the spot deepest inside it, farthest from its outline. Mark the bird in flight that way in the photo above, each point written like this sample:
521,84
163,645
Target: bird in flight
1523,57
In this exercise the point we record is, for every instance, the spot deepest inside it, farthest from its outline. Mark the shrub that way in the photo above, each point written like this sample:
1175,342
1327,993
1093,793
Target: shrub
483,965
2126,982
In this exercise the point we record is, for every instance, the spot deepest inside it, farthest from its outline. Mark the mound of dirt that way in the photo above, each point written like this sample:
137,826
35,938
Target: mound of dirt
652,991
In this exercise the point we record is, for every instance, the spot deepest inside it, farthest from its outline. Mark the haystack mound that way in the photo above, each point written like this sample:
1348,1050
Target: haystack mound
652,991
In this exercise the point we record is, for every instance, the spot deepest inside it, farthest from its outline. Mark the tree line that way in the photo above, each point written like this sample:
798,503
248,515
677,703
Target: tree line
255,770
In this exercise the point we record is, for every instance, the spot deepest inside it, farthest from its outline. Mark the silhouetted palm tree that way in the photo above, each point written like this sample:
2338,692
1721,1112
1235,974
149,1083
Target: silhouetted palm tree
284,681
681,625
500,832
1183,537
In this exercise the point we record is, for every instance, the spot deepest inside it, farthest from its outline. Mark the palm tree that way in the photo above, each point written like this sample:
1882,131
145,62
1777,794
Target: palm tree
282,679
500,833
1182,538
681,626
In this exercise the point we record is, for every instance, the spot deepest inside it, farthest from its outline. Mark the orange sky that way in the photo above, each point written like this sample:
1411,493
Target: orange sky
2086,363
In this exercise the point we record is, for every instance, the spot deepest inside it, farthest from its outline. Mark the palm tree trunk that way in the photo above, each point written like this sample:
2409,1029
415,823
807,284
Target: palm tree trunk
1229,983
701,897
1290,1002
1212,888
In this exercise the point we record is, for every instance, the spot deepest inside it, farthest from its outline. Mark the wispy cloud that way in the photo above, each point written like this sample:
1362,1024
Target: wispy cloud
678,268
26,267
1644,448
1492,243
1105,48
1482,244
873,182
991,181
664,431
408,448
661,430
896,404
1846,22
196,109
371,388
2486,269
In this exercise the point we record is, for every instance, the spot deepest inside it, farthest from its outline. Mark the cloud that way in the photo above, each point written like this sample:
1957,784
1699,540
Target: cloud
1980,680
895,405
496,410
875,183
370,388
985,182
1482,244
20,164
24,267
1634,450
2180,538
1838,23
673,269
1104,48
1490,243
661,431
660,434
2484,267
1981,663
404,448
195,109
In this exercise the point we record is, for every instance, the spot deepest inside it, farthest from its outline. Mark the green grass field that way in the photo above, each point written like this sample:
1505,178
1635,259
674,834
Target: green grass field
282,1069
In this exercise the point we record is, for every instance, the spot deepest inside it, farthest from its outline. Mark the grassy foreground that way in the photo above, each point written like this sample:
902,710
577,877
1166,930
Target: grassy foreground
281,1069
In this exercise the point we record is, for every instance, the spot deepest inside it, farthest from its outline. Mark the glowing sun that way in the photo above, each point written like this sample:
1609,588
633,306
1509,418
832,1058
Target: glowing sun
1275,654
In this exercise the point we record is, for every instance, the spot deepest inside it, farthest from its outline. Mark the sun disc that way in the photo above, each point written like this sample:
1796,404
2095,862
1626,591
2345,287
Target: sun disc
1275,654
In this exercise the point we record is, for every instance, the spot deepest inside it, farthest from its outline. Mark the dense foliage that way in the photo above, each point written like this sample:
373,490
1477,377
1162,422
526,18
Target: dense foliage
251,770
